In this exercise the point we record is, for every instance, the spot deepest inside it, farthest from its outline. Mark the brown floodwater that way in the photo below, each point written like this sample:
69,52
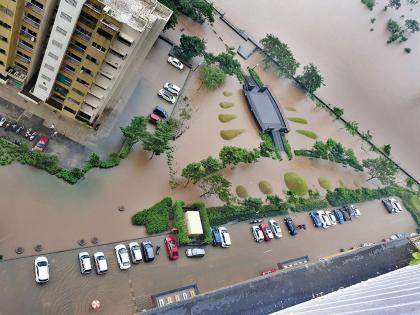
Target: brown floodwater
375,83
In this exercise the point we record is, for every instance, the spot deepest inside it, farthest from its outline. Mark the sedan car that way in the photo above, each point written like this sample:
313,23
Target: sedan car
345,213
275,227
161,112
175,62
291,226
167,96
224,234
41,144
396,204
389,206
171,247
135,252
339,216
195,252
268,234
42,270
324,219
257,233
122,256
267,272
84,262
331,217
315,219
100,263
217,239
153,118
148,252
2,121
174,89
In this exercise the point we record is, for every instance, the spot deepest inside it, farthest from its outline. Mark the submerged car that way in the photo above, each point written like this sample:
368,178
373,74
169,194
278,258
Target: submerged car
174,89
175,62
315,219
41,144
42,270
148,252
291,226
84,262
275,227
167,96
268,234
154,118
339,216
257,233
217,239
122,256
135,252
195,252
332,218
267,272
100,263
225,237
389,206
161,112
171,247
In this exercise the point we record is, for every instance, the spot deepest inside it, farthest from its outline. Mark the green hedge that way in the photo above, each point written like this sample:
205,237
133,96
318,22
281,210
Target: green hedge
342,196
256,77
204,221
179,223
156,218
267,147
308,204
287,147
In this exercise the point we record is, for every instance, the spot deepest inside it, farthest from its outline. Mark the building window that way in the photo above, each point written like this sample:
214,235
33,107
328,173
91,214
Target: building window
4,39
86,70
61,31
94,60
57,44
104,34
2,51
72,2
78,92
5,25
47,78
65,16
6,10
70,110
82,82
42,87
53,56
70,68
124,41
49,67
1,63
116,53
73,101
98,47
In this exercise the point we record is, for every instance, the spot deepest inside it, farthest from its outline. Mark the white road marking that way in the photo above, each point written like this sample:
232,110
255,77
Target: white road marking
267,251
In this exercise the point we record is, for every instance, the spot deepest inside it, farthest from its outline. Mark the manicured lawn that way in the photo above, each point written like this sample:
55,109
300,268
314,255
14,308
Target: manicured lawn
307,133
224,118
226,105
298,120
227,93
324,183
296,183
230,133
241,192
265,187
290,109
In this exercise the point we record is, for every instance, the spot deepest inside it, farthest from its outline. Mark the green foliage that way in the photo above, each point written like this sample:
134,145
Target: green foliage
342,196
298,120
352,127
410,182
226,105
125,150
173,20
284,61
290,109
179,223
387,149
416,259
159,141
190,47
307,133
135,131
324,183
212,77
338,112
256,77
332,151
205,222
287,147
412,26
112,161
311,78
382,169
156,218
407,50
267,147
216,185
241,192
296,183
196,171
231,133
396,4
300,204
197,10
234,155
397,33
265,187
94,160
224,118
226,62
369,3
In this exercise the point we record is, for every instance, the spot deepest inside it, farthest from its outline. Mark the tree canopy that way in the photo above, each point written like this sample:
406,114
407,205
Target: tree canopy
197,10
135,131
173,20
230,155
226,62
412,26
190,47
159,141
382,169
212,77
311,78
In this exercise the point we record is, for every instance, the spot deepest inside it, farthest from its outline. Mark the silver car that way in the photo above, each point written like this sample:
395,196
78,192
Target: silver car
167,96
175,62
195,252
174,89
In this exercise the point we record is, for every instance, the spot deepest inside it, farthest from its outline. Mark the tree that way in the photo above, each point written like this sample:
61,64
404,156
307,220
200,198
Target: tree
190,47
235,155
159,141
338,112
275,50
216,185
135,131
252,204
212,77
387,149
94,159
275,201
211,165
382,169
396,4
369,3
196,171
173,20
352,127
409,182
311,78
412,26
226,61
397,34
197,10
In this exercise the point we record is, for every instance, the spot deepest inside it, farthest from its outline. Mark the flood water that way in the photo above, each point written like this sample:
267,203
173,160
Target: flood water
375,83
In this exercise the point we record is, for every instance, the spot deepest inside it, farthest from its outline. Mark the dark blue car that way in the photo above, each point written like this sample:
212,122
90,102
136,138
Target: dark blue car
217,238
315,219
161,112
291,226
339,215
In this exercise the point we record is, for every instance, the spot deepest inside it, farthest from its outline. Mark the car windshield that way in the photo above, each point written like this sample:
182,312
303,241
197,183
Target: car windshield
42,264
175,254
100,258
123,251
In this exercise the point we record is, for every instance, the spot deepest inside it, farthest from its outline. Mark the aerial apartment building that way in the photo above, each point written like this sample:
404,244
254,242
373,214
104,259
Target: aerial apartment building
77,55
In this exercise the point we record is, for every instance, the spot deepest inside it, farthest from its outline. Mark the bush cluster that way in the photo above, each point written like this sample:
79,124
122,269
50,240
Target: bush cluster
287,147
267,147
179,223
300,204
156,218
342,196
205,222
256,77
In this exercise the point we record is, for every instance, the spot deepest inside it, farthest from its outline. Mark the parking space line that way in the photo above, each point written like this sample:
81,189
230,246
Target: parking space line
267,251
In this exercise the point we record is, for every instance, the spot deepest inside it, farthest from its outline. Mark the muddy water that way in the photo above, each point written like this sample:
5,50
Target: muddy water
376,83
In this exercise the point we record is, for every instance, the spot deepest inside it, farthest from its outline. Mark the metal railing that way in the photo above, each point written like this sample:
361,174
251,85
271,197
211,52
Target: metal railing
78,48
28,35
110,25
35,7
22,58
87,22
24,46
73,60
67,70
93,7
30,21
82,34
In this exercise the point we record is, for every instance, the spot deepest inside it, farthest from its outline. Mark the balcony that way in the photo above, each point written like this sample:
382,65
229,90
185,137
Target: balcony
68,71
17,73
72,60
93,7
23,59
87,22
24,46
31,22
110,25
29,36
82,34
34,7
75,47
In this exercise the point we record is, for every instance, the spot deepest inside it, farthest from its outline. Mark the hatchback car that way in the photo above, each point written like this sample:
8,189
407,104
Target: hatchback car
195,252
315,219
122,256
339,216
175,62
268,234
100,263
41,144
148,252
135,252
275,227
389,206
42,270
84,262
257,233
217,239
2,121
224,235
171,247
174,89
291,226
161,112
347,213
153,118
167,96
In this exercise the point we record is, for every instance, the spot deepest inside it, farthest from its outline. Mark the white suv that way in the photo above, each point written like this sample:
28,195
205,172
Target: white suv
135,252
332,217
224,235
257,233
42,270
122,256
175,62
275,228
85,264
172,88
322,217
100,263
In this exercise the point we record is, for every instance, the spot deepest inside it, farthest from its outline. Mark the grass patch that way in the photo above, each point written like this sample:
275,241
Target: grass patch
265,187
342,184
226,105
324,183
224,118
241,192
298,120
231,133
227,93
290,109
296,183
308,133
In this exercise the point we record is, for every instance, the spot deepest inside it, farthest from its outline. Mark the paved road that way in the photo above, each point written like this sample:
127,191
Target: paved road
125,292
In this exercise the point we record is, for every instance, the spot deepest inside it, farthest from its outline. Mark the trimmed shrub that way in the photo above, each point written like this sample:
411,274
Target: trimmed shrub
265,187
224,118
298,120
324,183
296,183
256,77
287,147
307,133
267,147
205,222
226,105
343,196
227,93
231,133
156,218
125,150
241,192
179,223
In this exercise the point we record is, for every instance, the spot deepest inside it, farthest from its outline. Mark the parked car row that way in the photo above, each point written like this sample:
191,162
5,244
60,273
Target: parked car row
169,92
266,232
326,219
392,205
158,114
220,236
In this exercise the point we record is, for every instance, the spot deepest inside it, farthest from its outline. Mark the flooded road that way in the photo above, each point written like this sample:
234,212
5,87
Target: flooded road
375,83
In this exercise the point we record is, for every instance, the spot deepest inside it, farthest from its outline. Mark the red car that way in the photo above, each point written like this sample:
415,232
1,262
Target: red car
154,118
171,247
41,144
267,272
268,234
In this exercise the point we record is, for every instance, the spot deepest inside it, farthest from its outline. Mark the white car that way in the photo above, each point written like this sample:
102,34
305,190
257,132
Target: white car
167,96
396,204
275,228
175,62
195,252
224,235
122,256
42,270
172,88
257,233
2,121
322,216
100,263
135,252
84,262
332,217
